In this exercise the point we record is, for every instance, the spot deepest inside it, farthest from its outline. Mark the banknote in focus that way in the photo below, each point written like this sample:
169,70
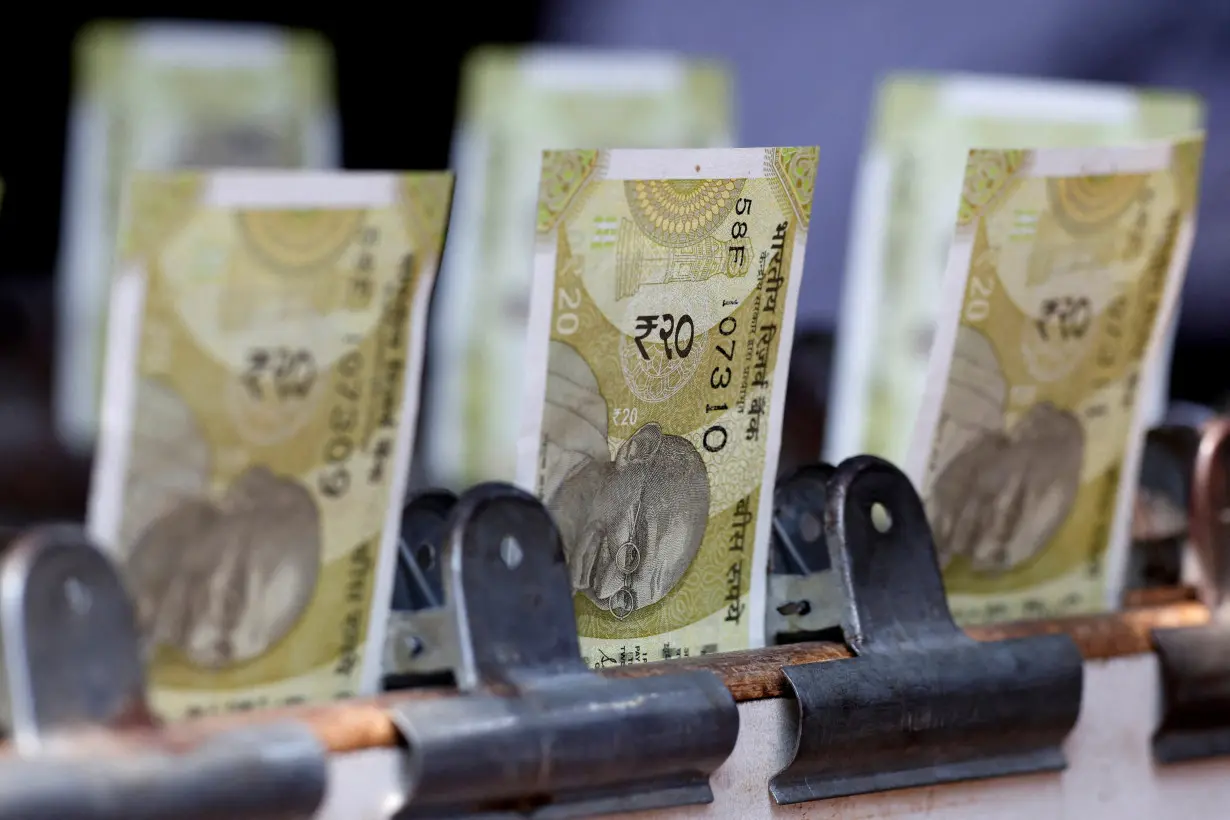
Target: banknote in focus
1065,267
516,102
165,96
665,287
261,393
923,127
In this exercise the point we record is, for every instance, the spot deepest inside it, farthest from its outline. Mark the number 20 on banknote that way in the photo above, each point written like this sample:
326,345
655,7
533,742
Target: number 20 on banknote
661,319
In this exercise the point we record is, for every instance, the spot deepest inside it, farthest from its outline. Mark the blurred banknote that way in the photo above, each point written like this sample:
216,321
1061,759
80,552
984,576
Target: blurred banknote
262,373
1065,267
922,130
165,96
665,287
514,104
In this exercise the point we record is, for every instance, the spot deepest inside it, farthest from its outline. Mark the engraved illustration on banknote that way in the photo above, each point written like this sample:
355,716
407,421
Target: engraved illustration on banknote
246,582
662,315
257,425
999,494
1063,278
632,524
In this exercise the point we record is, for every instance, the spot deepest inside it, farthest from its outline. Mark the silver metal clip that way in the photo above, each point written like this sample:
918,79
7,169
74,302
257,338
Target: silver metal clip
73,676
535,733
921,703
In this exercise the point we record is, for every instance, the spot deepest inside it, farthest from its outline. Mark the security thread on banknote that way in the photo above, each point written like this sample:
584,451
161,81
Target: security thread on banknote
660,329
1065,271
261,392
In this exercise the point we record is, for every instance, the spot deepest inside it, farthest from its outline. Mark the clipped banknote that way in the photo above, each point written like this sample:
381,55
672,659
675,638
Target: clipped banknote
515,103
912,170
665,288
1065,266
263,362
159,97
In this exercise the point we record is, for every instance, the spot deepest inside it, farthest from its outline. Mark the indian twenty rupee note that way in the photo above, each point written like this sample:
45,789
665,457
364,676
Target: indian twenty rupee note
162,96
263,363
911,172
661,320
516,102
1066,265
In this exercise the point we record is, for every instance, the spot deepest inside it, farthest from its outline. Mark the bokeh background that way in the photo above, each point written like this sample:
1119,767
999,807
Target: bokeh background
806,72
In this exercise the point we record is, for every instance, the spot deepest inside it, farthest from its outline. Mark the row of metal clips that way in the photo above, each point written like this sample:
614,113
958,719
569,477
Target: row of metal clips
483,603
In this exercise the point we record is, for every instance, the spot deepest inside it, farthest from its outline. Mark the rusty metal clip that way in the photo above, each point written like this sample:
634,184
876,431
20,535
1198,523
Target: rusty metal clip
534,733
72,673
804,598
921,703
1194,662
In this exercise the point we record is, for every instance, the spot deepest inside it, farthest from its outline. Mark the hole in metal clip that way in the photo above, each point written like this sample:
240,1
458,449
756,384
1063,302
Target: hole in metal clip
510,552
78,597
413,645
425,555
880,518
809,527
794,608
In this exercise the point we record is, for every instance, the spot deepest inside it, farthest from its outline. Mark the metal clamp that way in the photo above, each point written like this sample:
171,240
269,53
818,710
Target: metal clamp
804,598
534,733
72,671
417,644
921,703
1194,662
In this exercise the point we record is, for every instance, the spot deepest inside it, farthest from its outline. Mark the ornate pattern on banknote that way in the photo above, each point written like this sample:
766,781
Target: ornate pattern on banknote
1065,282
669,305
267,417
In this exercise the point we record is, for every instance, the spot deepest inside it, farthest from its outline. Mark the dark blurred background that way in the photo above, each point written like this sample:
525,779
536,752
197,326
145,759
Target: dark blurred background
806,73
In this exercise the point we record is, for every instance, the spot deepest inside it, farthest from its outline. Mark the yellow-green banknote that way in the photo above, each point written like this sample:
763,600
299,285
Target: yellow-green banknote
922,130
160,96
1065,271
263,361
515,102
665,287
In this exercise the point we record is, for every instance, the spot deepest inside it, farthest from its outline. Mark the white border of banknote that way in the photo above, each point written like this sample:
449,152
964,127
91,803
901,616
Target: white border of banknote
86,254
1142,157
714,163
263,189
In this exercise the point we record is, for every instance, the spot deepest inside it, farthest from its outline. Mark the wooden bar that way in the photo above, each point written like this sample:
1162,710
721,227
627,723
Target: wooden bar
363,723
756,673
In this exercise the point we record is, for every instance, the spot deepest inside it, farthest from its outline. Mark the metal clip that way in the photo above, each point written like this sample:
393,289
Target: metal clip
1160,512
417,642
921,703
72,670
534,733
1194,662
804,598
